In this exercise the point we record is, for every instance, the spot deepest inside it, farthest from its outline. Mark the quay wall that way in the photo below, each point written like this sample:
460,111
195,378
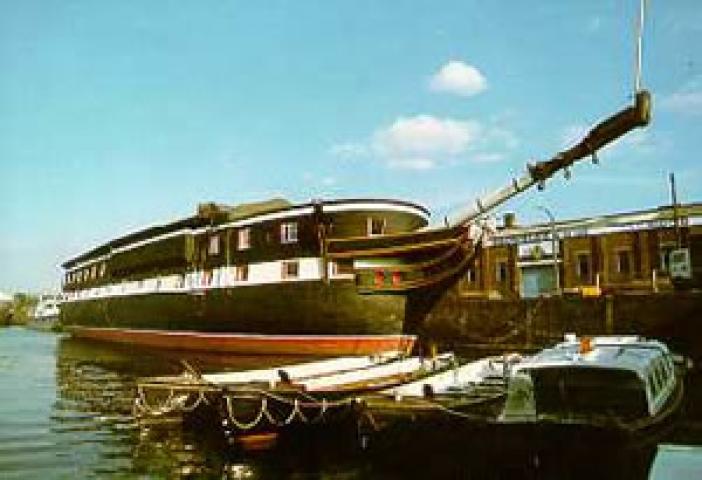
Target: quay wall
464,323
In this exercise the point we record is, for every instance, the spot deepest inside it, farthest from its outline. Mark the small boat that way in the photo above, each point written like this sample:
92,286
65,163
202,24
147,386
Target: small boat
575,400
627,382
264,402
46,313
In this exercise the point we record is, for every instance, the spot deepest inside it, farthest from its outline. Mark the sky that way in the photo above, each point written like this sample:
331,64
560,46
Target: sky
116,115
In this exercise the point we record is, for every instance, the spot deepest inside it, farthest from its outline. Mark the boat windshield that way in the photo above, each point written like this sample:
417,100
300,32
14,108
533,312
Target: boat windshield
584,392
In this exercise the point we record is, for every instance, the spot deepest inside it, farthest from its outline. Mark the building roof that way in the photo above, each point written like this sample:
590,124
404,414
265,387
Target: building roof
690,214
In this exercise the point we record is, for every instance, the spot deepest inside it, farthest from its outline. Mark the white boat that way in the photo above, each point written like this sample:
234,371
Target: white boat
625,382
586,404
46,312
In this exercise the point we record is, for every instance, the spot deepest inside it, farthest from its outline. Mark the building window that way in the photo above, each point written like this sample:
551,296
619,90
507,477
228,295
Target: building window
470,275
665,257
241,273
623,262
376,226
243,239
288,232
291,269
214,245
582,266
103,269
501,272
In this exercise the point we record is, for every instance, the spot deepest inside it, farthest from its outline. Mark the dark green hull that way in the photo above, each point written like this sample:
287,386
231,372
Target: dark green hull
287,308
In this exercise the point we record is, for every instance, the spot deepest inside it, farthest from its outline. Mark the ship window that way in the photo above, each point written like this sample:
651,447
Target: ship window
291,269
501,272
241,273
244,239
288,232
214,245
582,266
376,226
623,262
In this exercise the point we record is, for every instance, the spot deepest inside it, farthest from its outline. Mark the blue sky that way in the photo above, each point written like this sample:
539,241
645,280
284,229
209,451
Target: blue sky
116,115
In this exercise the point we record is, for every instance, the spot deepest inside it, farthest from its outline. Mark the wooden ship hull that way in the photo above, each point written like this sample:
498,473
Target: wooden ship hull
252,279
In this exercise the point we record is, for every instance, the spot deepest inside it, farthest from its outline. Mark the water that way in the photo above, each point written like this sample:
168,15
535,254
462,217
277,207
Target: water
65,412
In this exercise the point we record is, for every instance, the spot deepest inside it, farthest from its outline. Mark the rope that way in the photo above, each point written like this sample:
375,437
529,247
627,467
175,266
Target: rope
242,425
170,405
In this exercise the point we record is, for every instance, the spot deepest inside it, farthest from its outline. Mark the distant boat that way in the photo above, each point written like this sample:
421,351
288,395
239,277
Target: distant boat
46,313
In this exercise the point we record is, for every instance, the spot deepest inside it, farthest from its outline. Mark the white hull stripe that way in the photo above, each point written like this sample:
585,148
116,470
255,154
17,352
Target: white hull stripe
264,273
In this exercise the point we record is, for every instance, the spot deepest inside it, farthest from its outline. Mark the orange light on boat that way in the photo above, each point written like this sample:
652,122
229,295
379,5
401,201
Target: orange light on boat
585,345
256,442
396,278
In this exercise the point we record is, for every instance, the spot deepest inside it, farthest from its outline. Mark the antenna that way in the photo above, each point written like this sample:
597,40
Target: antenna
639,46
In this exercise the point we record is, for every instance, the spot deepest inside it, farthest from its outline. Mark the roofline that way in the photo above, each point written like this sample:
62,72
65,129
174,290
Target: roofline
594,220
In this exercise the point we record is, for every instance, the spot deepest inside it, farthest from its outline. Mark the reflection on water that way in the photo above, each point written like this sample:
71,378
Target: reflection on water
65,412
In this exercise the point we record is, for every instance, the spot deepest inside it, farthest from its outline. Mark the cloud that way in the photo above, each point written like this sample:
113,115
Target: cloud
420,142
349,150
411,163
488,157
687,100
425,134
458,78
424,142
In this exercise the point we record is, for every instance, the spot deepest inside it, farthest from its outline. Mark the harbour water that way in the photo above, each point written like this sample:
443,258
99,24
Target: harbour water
65,412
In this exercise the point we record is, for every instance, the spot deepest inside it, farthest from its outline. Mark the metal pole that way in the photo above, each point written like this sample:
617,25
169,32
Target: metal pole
676,217
554,252
639,46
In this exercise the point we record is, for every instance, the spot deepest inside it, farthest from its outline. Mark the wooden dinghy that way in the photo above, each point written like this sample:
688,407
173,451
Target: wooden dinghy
265,401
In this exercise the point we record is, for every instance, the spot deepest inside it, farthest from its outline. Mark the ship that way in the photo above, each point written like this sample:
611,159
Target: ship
332,277
252,278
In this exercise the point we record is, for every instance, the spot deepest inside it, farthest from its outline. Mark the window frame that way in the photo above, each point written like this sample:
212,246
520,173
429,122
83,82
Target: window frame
371,223
243,238
289,232
580,275
285,273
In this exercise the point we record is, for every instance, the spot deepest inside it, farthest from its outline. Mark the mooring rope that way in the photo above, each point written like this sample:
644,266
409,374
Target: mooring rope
244,425
171,404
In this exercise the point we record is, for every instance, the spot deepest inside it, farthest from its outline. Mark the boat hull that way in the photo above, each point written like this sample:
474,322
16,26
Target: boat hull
282,318
251,344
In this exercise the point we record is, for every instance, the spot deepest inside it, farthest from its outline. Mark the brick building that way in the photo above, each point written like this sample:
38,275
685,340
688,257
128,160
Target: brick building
611,253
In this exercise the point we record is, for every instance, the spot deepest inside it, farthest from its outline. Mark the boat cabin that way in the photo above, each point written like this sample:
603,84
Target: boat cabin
626,378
